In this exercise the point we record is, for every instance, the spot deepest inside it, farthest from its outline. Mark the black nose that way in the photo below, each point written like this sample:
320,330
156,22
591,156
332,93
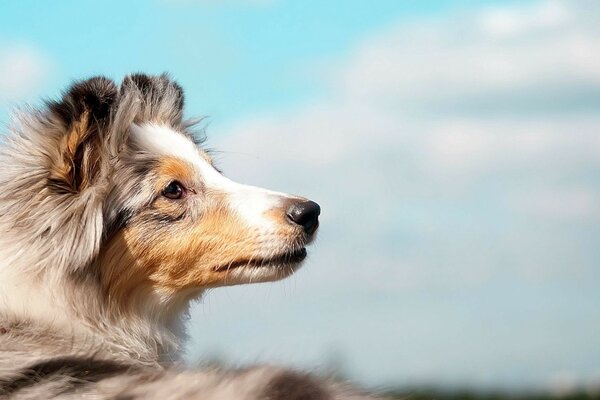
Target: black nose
305,214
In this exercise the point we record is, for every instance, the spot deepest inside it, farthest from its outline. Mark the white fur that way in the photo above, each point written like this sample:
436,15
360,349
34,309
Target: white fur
30,299
164,140
249,202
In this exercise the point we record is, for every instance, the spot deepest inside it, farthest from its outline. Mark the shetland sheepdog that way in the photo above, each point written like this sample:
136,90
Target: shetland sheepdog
112,219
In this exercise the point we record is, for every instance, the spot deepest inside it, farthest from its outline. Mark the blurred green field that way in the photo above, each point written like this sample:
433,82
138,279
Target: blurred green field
433,394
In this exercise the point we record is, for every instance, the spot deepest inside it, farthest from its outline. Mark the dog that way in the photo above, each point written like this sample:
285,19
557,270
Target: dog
112,219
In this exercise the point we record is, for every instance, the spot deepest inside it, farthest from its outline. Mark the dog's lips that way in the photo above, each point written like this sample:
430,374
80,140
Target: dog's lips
292,257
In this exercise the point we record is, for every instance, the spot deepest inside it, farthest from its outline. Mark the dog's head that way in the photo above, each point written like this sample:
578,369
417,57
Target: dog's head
140,204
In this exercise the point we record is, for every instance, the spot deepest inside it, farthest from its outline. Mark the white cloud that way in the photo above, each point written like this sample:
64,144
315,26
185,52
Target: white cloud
504,22
552,48
455,157
23,68
570,203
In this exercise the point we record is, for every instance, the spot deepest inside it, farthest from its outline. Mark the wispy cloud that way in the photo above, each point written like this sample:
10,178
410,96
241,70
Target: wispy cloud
23,69
508,55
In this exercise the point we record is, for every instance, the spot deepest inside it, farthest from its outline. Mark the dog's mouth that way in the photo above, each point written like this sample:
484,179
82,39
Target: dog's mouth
283,260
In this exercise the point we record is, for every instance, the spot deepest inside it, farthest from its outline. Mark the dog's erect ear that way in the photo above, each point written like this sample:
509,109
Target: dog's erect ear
83,114
162,98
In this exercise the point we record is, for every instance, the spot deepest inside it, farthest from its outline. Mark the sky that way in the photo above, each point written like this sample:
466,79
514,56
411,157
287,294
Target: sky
454,147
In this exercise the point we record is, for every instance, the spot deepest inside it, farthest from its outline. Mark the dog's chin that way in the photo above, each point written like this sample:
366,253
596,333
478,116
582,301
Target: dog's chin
263,269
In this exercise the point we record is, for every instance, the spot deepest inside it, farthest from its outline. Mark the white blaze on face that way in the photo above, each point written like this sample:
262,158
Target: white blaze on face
249,202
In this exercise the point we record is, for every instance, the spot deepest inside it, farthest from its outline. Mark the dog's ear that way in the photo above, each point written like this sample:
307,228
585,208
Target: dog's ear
84,115
162,98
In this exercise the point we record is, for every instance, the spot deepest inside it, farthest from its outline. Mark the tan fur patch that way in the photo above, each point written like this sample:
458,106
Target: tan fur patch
80,157
171,168
173,260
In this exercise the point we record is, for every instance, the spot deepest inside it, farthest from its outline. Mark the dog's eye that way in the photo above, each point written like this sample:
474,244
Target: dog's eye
174,191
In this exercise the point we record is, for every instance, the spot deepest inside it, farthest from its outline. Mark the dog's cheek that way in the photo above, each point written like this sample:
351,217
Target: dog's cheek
158,251
193,255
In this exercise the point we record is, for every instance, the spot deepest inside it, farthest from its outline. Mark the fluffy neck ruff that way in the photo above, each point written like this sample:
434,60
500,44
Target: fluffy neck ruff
150,331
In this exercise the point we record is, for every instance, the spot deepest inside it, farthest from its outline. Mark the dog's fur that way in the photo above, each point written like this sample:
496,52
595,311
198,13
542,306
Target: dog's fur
112,218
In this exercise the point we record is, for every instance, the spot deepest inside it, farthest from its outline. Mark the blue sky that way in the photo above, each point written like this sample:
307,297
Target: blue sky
234,58
453,146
